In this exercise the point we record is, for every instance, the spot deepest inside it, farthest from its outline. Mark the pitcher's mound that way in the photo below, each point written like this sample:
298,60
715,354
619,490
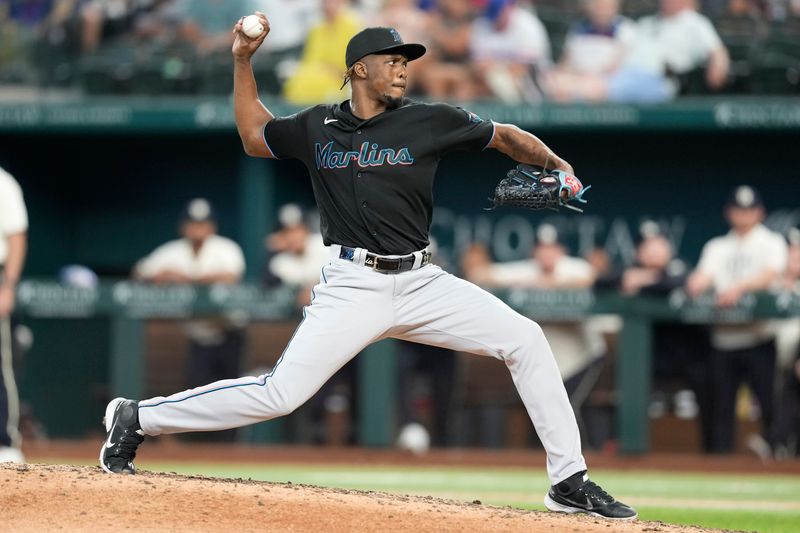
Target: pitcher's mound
81,498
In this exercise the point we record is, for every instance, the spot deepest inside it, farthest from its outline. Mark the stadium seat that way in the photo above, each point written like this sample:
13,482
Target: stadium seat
784,39
217,75
776,73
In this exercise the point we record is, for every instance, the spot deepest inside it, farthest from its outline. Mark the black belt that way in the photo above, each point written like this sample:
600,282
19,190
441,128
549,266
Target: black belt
387,265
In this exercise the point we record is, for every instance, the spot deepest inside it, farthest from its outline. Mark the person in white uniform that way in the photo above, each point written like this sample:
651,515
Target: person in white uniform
749,258
372,160
199,256
202,257
13,247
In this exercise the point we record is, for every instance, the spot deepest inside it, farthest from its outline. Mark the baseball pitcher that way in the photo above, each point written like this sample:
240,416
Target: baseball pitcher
372,160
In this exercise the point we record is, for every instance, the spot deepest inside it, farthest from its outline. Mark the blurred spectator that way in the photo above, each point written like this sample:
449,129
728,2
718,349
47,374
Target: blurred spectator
476,265
790,281
207,24
277,58
318,77
510,47
34,35
555,269
414,25
788,432
576,345
670,44
788,331
679,350
201,256
787,418
105,21
656,270
594,49
719,8
607,274
449,74
548,268
784,9
13,249
746,260
369,8
147,46
289,23
295,254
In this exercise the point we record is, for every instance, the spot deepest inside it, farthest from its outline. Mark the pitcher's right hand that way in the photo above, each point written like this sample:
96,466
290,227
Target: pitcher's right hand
243,46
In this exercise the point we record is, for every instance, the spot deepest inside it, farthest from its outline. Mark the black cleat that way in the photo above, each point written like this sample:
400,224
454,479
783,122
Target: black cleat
123,436
577,494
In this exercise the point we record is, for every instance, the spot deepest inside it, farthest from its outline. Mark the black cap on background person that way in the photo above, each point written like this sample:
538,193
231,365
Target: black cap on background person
745,197
198,221
547,234
198,210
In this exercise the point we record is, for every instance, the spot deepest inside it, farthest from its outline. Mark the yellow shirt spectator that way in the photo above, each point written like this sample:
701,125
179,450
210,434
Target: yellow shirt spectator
318,78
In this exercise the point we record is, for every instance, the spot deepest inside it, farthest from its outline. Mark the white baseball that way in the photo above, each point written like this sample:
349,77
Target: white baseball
252,27
414,438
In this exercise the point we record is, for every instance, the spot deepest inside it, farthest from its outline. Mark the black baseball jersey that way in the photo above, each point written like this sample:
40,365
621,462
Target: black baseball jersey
373,179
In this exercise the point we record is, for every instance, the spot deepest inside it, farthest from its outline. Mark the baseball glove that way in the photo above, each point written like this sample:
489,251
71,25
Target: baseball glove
537,188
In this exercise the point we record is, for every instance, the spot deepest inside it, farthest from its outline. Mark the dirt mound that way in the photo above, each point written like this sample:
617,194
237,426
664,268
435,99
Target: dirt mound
79,498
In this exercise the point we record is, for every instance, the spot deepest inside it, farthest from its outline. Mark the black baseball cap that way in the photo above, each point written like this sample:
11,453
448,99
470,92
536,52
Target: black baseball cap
198,210
380,40
744,196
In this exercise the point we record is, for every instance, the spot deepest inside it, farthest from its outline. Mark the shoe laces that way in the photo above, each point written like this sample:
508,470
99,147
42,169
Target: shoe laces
128,443
593,491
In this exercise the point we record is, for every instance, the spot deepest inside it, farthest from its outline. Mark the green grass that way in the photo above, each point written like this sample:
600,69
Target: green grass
769,504
738,520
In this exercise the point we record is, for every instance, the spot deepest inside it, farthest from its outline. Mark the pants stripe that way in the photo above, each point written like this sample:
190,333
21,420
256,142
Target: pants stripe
259,383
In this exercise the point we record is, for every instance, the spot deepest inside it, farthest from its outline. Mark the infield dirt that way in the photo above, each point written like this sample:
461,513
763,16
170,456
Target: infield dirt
82,498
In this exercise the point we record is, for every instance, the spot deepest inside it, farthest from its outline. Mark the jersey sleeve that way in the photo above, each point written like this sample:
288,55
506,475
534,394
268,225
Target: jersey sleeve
706,37
455,128
709,258
778,256
158,260
286,137
234,261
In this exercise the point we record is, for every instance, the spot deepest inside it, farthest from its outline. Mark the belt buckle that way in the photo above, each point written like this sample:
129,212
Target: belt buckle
374,259
387,270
